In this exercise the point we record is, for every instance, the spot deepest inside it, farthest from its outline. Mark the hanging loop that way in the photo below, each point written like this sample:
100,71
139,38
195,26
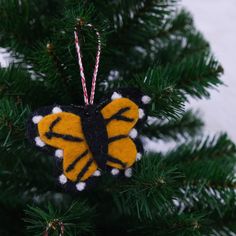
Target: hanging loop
88,100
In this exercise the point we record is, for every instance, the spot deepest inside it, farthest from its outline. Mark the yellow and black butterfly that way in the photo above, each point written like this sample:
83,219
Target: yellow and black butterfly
87,140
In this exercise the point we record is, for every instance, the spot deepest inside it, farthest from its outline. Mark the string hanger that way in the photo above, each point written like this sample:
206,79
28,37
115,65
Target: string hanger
88,100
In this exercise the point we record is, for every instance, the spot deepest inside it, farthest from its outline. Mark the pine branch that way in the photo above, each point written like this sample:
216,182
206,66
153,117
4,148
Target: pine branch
176,53
186,127
123,15
21,84
211,173
160,185
162,178
208,148
150,45
20,18
205,75
59,65
76,219
183,224
217,201
226,227
167,101
138,22
12,121
25,174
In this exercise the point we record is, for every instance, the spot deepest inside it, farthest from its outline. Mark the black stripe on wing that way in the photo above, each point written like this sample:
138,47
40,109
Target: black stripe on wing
72,165
119,116
85,169
67,137
115,138
117,161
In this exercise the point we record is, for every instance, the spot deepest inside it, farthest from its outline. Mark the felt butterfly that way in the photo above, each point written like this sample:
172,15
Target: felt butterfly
87,140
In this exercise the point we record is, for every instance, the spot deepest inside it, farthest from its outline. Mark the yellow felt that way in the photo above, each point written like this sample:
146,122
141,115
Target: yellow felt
69,124
123,150
118,127
70,156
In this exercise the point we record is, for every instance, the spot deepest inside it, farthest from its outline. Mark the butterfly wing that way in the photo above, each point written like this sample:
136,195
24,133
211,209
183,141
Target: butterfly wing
60,131
121,116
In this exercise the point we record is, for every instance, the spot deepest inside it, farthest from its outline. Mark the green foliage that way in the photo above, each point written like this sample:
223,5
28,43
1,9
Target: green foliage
25,21
166,99
148,44
186,127
203,148
75,220
152,193
12,119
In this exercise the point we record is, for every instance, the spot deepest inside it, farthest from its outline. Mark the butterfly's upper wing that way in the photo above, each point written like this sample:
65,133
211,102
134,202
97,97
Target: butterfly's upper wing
121,115
59,130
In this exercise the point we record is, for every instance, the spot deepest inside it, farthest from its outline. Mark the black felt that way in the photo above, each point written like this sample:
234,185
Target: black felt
54,123
94,128
95,132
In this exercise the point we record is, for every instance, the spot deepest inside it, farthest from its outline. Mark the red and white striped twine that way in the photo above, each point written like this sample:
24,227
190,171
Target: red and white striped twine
95,72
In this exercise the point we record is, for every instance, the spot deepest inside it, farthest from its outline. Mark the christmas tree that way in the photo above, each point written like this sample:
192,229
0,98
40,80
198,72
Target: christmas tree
151,45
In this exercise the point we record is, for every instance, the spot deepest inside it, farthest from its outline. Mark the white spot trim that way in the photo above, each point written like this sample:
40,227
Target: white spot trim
80,186
59,153
146,99
97,173
128,172
138,156
36,119
141,113
39,142
62,179
56,110
115,171
116,95
133,133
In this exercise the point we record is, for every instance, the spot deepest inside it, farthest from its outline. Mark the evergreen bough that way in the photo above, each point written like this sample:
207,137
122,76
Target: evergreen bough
149,44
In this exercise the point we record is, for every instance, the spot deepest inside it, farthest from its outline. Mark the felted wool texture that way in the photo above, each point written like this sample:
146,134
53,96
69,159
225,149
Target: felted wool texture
102,129
69,124
133,94
122,149
117,127
94,128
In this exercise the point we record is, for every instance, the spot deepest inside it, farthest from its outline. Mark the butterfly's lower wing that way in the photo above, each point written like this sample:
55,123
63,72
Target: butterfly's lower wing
60,131
121,116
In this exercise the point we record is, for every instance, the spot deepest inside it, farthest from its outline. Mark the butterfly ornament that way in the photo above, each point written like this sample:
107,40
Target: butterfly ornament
88,140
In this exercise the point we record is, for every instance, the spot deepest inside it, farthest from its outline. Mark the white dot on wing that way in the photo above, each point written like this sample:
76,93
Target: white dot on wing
56,110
